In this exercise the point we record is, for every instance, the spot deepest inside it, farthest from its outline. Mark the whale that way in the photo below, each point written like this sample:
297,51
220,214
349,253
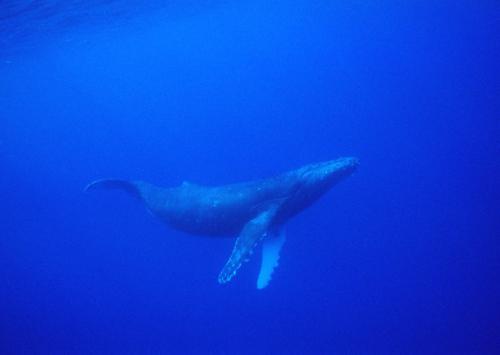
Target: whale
254,212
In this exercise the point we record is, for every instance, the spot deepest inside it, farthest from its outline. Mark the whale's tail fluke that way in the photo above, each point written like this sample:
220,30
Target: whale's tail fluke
130,187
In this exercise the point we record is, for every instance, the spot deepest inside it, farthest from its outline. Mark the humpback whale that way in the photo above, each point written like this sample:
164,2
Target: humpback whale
253,211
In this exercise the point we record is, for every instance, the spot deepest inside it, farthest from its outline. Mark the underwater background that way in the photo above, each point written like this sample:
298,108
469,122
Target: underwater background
401,257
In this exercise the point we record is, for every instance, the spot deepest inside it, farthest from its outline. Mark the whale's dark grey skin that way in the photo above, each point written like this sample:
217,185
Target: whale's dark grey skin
255,210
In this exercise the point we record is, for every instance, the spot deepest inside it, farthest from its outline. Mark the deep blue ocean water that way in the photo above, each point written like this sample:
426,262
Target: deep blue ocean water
402,257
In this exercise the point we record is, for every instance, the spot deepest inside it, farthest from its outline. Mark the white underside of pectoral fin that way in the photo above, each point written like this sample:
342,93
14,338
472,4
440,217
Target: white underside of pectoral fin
270,257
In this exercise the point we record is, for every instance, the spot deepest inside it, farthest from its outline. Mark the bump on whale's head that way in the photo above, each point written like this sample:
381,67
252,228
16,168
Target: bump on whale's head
343,166
330,172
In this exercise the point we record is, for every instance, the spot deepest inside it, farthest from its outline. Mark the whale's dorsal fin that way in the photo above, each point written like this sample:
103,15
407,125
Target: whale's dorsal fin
251,234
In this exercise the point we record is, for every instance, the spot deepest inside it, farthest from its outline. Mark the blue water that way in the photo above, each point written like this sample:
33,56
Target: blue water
401,257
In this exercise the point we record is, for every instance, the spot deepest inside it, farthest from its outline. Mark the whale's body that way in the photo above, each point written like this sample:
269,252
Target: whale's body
255,210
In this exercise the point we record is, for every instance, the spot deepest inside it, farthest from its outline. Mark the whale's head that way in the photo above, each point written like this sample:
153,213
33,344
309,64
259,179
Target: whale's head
330,172
340,168
315,179
310,182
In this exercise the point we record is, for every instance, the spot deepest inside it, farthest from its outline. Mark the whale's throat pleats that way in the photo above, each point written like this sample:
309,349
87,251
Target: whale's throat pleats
252,233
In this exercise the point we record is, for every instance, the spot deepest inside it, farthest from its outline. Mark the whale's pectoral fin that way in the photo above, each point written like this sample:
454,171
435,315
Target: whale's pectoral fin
270,256
249,237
